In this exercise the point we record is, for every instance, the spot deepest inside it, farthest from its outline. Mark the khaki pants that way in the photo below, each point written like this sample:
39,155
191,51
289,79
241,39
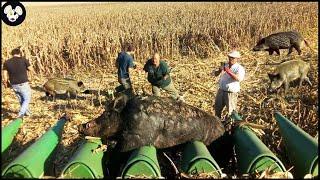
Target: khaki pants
170,88
223,99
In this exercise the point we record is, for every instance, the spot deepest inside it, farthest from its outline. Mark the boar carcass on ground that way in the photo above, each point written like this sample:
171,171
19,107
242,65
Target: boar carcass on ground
159,121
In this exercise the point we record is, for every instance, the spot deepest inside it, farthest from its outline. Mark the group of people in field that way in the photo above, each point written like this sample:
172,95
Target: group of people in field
157,69
158,75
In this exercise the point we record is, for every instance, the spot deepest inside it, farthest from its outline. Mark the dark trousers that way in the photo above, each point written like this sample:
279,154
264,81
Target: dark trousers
125,87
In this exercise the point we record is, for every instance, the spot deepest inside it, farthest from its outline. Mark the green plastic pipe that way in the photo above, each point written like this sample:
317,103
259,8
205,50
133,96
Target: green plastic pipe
86,163
142,162
35,160
302,148
8,133
197,159
252,155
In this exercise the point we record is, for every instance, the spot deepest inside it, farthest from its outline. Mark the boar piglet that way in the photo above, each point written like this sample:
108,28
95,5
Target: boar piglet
158,121
56,86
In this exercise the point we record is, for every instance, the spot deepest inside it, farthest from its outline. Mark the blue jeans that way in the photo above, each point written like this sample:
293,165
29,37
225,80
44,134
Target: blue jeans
23,92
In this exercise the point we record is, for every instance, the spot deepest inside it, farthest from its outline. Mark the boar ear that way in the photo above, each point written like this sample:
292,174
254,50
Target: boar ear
262,41
119,103
80,83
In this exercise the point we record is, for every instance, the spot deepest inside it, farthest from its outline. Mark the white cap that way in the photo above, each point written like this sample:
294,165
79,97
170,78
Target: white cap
234,54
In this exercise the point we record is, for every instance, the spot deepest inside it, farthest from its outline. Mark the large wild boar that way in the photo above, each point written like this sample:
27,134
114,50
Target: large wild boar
159,121
287,72
281,40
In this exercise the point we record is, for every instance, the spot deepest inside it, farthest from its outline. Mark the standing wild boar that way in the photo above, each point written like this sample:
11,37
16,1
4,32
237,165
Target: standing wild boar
281,40
158,121
62,86
289,71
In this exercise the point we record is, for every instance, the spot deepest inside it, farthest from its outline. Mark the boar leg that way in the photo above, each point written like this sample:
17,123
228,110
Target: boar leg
270,51
286,87
297,47
300,81
68,96
76,97
306,79
290,50
47,96
278,51
53,97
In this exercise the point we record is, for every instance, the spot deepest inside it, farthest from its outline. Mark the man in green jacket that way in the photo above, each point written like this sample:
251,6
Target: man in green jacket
158,75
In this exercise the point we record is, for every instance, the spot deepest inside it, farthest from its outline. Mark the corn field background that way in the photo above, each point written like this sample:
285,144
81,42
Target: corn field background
70,37
82,41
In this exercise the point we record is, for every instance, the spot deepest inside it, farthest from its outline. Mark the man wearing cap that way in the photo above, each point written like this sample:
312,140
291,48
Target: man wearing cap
229,84
16,69
125,65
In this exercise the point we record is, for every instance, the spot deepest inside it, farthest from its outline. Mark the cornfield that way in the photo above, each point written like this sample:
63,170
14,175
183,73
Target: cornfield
83,41
60,39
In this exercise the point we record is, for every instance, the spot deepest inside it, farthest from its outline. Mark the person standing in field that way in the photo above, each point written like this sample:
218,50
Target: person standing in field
125,65
16,69
229,84
159,77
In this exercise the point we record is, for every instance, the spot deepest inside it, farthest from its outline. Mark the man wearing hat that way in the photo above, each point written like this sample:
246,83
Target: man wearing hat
229,84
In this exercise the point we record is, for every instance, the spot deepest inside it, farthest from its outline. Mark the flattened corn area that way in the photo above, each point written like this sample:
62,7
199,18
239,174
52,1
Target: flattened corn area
192,78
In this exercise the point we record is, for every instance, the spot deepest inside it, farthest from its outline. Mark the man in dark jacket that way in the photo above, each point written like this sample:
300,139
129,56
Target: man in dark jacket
125,65
16,68
159,77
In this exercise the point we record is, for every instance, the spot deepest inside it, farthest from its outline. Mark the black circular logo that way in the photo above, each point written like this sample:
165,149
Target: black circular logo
13,13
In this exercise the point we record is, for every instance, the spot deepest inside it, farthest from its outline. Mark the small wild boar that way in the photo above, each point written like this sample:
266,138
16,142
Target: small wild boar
281,40
158,121
289,71
62,86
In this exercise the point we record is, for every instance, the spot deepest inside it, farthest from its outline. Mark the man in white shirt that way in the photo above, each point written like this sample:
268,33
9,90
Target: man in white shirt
229,84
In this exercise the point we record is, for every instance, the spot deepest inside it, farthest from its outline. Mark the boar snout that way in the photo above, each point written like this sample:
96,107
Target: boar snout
85,128
259,48
90,128
81,128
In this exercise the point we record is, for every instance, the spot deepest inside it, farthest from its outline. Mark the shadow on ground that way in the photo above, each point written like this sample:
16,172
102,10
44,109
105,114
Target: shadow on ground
7,113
